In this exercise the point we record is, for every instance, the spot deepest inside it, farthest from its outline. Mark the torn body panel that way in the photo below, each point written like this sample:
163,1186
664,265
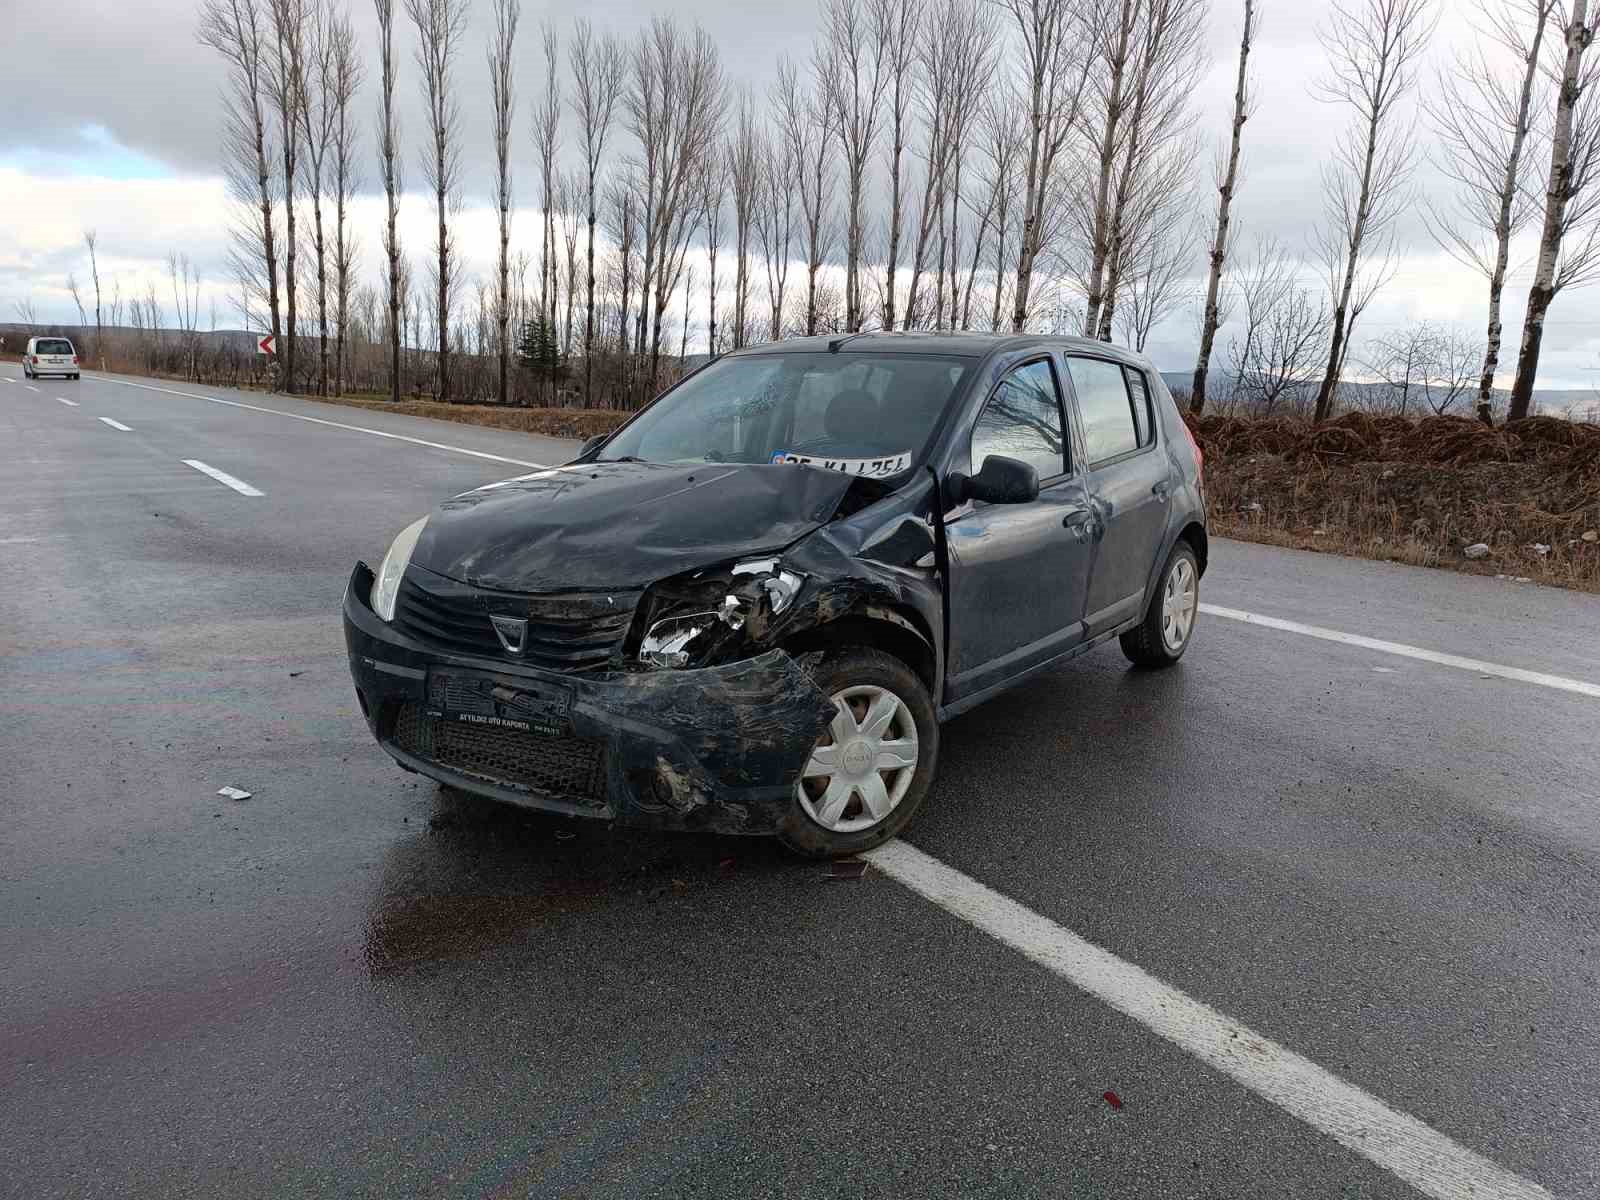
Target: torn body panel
716,748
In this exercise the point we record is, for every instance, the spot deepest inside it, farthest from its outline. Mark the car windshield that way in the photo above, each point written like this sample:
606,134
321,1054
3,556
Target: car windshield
865,414
52,346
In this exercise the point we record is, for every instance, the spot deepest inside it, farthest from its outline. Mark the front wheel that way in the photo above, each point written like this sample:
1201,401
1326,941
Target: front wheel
1162,637
869,771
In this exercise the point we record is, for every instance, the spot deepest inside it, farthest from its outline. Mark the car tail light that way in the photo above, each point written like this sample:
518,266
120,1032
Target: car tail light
1199,455
74,360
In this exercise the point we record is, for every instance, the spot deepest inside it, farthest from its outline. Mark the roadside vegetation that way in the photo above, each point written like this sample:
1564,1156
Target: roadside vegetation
1521,500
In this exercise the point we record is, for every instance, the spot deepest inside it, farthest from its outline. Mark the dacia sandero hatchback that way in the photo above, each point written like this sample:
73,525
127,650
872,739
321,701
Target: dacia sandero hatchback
749,608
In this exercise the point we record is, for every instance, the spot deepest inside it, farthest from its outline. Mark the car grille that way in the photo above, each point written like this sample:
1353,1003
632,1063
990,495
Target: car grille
572,632
567,768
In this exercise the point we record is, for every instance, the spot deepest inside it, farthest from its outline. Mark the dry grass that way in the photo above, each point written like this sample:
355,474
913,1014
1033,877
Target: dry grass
1415,492
546,422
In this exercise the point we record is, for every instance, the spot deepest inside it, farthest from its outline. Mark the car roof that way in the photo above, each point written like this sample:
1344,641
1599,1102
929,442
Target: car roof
963,344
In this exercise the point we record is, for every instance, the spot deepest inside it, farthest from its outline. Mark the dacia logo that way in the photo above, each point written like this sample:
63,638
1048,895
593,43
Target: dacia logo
513,632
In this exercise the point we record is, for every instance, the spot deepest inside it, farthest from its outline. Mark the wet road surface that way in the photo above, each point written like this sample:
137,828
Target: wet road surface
352,984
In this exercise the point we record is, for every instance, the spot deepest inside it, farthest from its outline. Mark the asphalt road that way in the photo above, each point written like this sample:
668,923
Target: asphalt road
352,985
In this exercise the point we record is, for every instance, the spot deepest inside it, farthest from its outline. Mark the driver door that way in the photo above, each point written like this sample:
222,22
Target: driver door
1019,573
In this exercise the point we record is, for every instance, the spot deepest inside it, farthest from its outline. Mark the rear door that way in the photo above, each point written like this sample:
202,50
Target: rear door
1128,482
1018,572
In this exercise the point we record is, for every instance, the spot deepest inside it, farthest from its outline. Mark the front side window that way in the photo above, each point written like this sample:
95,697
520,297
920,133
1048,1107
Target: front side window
1108,423
864,414
1022,420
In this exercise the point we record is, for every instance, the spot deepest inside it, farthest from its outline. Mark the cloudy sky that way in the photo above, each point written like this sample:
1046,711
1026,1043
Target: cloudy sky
114,125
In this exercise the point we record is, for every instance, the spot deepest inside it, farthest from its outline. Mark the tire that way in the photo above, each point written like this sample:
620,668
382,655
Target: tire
858,678
1167,629
74,378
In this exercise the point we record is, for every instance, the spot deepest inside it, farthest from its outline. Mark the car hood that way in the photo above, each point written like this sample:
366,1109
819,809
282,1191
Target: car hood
622,525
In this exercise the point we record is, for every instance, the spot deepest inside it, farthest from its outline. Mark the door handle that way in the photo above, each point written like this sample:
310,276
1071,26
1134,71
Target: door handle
1078,524
1159,490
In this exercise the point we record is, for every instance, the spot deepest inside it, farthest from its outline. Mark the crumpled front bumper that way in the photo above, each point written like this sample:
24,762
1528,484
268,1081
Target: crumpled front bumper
716,749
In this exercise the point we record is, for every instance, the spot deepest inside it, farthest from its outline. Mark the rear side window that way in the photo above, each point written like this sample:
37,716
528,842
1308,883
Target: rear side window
1022,420
1115,402
52,346
1139,394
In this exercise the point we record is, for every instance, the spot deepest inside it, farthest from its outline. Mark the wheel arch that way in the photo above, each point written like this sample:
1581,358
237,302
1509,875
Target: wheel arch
881,628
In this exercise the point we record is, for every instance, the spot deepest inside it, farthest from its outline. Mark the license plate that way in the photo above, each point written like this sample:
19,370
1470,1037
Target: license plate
477,698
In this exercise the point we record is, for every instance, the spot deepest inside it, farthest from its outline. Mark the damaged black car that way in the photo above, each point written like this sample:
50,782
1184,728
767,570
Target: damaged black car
749,608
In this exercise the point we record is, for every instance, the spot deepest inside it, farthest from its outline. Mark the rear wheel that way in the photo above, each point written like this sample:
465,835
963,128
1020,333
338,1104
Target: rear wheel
1162,637
869,771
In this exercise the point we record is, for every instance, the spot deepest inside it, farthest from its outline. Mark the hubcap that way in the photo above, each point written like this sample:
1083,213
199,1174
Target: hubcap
861,768
1179,600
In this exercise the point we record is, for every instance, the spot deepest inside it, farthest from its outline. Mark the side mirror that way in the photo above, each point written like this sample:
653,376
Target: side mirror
1000,480
592,445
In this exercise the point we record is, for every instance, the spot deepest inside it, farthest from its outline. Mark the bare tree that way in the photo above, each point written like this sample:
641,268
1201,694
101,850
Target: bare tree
91,239
1227,181
1056,39
1167,64
344,81
184,277
389,163
597,76
569,206
1569,240
1373,46
803,122
1158,262
286,87
1005,143
674,107
1483,115
316,127
852,66
236,30
1115,48
1280,363
503,97
546,144
904,39
974,65
713,185
440,27
1402,361
743,175
774,218
622,205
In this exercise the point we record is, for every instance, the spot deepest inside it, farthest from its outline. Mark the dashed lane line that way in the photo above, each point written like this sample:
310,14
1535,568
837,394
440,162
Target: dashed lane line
1400,1144
222,477
118,425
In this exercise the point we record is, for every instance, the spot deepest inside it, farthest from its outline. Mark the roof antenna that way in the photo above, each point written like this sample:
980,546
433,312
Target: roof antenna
833,346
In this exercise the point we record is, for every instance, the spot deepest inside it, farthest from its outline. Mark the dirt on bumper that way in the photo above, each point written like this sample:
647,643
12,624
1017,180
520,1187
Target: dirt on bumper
717,749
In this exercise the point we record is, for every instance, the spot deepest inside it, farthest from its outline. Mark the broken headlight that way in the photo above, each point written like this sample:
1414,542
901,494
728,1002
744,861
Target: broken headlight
715,612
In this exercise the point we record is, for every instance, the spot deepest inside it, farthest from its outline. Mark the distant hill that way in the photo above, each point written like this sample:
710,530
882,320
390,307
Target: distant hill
1579,403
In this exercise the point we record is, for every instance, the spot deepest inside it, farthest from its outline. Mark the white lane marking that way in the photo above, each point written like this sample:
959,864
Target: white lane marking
398,437
68,403
238,485
1356,1119
30,387
115,424
1485,669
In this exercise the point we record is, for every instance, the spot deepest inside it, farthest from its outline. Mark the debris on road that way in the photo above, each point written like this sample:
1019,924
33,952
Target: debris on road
296,674
1477,550
1112,1099
849,868
233,793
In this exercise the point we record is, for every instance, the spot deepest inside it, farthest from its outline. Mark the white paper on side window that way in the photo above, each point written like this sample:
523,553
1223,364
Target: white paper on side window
889,464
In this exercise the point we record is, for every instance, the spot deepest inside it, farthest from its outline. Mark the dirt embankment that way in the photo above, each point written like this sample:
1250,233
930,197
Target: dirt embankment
1521,500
